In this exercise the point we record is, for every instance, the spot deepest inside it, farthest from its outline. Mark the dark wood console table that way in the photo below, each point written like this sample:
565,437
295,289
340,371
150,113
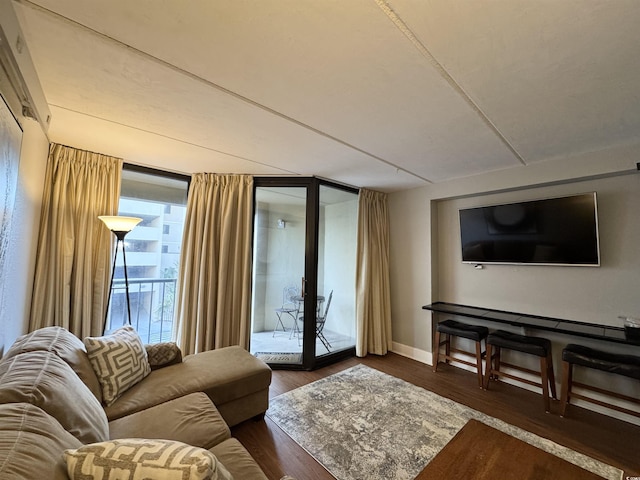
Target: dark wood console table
558,325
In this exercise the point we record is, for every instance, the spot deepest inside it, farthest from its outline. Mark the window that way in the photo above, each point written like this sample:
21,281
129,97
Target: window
152,252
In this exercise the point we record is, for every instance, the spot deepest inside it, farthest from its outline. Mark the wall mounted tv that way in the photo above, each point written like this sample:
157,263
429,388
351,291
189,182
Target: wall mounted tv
552,231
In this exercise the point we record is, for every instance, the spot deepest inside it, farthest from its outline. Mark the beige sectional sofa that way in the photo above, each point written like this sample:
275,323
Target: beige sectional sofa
50,401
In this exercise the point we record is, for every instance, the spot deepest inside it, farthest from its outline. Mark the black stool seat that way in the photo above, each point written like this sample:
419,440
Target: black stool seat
451,328
539,347
627,365
536,346
459,329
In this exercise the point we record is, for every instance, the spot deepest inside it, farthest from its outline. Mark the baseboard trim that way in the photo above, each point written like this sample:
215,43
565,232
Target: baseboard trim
413,353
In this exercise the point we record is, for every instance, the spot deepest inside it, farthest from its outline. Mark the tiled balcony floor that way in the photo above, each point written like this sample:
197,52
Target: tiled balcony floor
282,342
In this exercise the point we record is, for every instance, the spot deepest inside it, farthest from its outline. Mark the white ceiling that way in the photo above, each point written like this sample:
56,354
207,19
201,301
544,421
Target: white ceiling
384,94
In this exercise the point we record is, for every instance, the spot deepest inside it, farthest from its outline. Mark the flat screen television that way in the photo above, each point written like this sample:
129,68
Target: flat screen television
551,231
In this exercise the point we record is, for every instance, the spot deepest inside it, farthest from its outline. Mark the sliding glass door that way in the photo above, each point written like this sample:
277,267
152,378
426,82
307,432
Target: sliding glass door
278,270
336,277
303,311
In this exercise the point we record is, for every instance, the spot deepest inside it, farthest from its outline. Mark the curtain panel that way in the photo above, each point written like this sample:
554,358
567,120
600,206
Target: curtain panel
373,297
214,286
72,269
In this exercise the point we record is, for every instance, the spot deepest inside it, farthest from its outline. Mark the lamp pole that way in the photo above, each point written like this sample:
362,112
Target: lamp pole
119,226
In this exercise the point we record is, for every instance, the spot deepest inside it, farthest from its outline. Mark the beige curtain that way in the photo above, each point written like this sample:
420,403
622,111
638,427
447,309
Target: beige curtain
72,270
214,288
373,299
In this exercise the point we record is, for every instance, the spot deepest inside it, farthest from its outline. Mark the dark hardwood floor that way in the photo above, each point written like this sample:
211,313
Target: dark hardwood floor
609,440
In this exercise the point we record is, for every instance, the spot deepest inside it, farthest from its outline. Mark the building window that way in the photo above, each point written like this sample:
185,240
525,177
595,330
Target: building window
153,252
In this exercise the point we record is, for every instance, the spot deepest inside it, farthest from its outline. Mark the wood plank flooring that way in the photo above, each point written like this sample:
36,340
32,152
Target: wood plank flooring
481,452
609,440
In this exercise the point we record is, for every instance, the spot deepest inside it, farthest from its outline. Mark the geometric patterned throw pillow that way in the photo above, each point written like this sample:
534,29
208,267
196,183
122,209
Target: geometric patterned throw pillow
163,354
140,459
119,360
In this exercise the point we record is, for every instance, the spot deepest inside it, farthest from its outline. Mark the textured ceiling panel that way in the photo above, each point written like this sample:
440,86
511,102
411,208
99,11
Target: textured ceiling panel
381,94
556,78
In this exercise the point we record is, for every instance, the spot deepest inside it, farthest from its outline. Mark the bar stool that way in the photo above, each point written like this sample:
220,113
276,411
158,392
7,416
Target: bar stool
472,332
540,347
626,365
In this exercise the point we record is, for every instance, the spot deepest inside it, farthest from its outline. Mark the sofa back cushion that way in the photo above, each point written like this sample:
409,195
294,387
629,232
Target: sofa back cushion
44,380
66,346
32,444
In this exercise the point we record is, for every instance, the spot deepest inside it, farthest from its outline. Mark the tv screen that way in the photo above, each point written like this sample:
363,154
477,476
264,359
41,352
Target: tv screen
552,231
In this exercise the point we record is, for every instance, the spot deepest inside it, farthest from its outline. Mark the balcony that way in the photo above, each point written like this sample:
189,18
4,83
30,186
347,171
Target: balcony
152,307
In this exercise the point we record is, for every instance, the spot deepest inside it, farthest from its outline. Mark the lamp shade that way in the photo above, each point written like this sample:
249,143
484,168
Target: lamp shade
119,223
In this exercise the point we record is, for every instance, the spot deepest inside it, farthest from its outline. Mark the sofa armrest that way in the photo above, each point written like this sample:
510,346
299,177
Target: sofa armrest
192,419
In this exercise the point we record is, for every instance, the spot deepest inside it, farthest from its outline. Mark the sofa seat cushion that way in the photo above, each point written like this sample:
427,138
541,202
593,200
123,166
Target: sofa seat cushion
44,380
31,444
224,375
238,461
191,419
66,346
143,459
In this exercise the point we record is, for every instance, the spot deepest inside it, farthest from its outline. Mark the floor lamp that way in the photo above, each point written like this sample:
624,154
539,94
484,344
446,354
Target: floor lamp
120,226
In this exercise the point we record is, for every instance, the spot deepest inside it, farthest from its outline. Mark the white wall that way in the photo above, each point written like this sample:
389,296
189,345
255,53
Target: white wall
24,234
589,294
425,251
415,252
410,271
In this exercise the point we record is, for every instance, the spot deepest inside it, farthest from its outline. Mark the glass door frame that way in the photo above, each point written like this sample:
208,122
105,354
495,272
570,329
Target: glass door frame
309,359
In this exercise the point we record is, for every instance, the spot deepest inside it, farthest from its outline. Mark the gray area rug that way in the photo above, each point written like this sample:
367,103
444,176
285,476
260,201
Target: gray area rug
362,424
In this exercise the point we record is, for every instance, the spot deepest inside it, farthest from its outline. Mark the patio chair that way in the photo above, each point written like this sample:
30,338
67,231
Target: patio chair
290,307
320,321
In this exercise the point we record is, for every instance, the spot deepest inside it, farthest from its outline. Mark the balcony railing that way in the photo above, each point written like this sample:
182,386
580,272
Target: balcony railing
152,307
